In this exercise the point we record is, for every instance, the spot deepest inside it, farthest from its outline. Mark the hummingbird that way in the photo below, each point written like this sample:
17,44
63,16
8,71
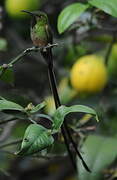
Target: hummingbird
41,34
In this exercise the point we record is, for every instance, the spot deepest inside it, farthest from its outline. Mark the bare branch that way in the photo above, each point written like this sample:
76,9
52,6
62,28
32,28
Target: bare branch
25,52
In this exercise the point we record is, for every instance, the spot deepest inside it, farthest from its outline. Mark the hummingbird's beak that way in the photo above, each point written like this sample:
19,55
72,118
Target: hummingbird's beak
28,12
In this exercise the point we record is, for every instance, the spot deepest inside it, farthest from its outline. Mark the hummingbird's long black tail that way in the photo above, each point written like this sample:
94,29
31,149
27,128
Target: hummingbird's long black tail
47,55
65,130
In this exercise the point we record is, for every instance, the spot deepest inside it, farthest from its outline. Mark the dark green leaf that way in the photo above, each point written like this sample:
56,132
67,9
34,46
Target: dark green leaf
38,107
8,105
108,6
7,75
36,138
69,15
98,152
62,111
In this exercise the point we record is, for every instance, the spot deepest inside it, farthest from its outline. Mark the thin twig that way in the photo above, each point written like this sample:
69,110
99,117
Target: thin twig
25,52
11,143
7,121
107,28
29,50
48,157
8,152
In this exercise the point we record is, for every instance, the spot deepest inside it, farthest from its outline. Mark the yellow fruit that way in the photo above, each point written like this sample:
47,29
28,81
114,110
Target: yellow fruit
14,7
89,74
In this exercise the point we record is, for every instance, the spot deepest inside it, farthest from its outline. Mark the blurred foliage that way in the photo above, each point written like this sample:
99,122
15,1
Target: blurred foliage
3,44
102,154
92,30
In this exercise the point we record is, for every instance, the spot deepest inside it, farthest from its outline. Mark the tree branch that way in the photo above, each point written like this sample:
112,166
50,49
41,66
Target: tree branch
25,52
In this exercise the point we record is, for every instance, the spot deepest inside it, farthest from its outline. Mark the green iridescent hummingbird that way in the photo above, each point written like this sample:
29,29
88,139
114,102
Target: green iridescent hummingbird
41,34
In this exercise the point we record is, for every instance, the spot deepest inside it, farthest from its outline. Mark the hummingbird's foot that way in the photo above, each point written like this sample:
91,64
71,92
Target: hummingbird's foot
49,44
44,49
36,48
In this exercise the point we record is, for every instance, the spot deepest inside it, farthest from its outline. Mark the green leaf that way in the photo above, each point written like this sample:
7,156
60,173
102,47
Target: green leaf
36,138
98,152
38,107
69,15
62,111
8,105
108,6
7,75
3,44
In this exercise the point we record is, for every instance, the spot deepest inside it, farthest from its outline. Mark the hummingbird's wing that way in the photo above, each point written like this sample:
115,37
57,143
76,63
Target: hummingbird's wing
49,34
48,54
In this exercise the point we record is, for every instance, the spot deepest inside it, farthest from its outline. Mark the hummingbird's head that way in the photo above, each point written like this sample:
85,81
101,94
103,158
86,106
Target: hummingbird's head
37,15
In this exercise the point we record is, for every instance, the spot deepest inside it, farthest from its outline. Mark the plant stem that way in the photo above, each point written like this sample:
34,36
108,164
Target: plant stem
64,128
11,143
28,50
25,52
